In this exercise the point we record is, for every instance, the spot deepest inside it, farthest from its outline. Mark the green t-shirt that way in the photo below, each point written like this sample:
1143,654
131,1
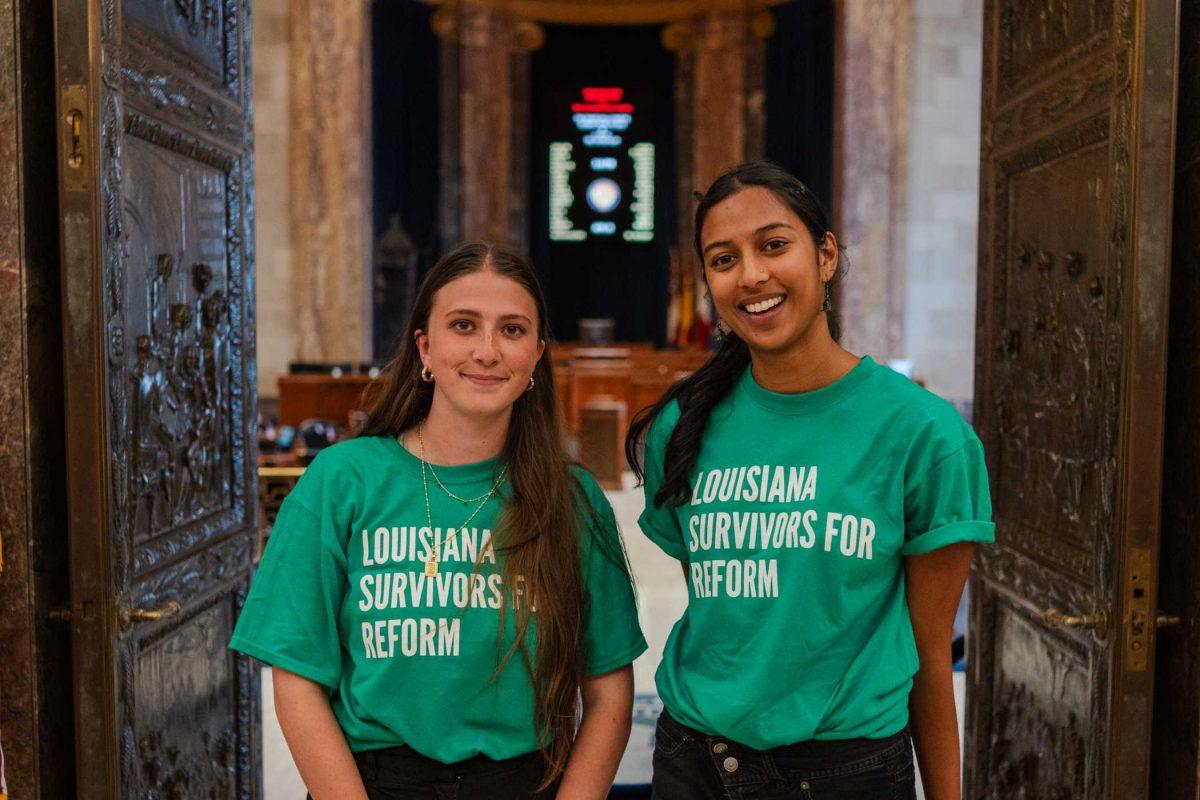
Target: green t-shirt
341,598
802,508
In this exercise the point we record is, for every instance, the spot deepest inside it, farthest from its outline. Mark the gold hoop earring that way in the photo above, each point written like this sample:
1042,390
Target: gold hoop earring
426,375
529,388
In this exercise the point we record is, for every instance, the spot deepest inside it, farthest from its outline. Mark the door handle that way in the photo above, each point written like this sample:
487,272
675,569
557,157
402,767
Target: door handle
1052,616
1056,618
129,616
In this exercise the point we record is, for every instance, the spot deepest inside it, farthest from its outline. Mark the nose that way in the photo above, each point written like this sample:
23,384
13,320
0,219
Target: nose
485,350
752,273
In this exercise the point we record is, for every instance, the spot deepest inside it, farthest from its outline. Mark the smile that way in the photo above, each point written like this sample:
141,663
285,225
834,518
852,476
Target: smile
484,380
762,306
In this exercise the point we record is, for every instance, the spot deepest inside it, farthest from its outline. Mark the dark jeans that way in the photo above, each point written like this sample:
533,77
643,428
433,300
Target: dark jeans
689,765
400,773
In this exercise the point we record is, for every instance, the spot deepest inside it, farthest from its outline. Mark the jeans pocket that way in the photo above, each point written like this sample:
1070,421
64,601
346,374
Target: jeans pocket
668,741
871,783
903,772
395,786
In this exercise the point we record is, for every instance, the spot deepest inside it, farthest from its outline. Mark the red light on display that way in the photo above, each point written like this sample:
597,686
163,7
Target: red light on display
606,94
602,100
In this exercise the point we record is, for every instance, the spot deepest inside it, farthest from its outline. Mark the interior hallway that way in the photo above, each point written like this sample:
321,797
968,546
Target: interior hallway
662,597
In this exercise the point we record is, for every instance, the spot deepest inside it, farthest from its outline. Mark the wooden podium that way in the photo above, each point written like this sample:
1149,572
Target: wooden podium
309,396
599,390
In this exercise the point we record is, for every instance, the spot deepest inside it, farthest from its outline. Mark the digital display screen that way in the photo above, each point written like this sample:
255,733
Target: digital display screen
601,167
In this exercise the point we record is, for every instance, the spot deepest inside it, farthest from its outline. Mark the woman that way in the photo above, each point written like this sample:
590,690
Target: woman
823,508
438,591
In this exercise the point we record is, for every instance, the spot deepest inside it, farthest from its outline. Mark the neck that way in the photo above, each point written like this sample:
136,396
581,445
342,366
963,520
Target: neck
811,363
453,438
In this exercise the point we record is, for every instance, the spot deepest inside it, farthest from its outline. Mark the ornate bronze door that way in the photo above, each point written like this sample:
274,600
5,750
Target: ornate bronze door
1078,111
156,215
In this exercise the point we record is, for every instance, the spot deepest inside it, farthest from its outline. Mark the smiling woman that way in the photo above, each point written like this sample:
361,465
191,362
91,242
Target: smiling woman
845,543
452,546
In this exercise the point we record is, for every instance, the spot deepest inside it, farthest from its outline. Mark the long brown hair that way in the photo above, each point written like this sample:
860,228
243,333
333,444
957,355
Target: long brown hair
537,532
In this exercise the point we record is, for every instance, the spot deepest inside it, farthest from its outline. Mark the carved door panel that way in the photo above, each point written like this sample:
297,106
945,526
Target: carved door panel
1078,105
156,216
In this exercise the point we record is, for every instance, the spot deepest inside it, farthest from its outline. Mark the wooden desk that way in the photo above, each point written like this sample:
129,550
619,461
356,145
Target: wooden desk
308,396
635,375
631,373
656,371
590,379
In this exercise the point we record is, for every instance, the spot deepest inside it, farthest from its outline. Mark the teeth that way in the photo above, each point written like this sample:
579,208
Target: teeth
758,308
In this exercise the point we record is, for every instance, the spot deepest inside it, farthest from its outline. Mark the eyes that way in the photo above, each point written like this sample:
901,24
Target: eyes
725,260
513,330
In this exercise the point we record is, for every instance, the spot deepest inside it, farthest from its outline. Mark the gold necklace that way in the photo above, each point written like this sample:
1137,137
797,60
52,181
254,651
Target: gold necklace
465,501
431,563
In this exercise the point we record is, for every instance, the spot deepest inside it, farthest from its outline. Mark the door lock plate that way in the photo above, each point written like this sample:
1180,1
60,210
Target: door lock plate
1141,621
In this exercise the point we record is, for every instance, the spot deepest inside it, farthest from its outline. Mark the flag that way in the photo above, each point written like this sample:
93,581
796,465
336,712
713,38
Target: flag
674,284
687,304
702,314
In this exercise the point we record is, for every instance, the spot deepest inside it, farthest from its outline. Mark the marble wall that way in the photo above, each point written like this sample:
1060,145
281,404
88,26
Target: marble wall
871,89
329,157
312,183
906,183
943,195
277,335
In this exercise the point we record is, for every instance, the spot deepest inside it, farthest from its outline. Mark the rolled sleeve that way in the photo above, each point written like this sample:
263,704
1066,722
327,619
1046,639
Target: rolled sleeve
950,503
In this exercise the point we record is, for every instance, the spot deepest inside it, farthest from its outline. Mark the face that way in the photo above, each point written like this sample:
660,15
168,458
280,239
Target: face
765,273
481,343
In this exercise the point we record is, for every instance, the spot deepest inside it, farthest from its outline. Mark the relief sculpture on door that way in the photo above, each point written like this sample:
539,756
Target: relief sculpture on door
181,374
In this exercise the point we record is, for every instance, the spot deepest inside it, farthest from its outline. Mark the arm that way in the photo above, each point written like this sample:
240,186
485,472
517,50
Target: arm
313,735
603,734
933,584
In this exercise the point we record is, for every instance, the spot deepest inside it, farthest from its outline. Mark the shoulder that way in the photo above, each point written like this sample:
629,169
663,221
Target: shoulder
337,471
590,490
663,424
348,455
934,426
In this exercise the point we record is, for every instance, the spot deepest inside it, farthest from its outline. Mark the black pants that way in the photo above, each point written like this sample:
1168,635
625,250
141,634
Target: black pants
400,773
689,765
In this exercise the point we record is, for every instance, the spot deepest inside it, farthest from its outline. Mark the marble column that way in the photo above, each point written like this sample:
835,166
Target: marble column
275,320
485,112
720,109
871,121
720,59
330,156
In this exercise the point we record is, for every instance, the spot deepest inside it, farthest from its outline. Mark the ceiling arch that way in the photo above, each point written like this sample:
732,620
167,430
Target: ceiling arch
610,12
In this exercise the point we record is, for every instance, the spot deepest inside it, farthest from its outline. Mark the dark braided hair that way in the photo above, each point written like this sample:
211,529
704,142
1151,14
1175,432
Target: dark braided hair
699,393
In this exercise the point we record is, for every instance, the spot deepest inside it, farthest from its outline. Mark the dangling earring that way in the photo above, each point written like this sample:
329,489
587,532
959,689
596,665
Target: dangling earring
827,306
426,375
721,330
529,388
